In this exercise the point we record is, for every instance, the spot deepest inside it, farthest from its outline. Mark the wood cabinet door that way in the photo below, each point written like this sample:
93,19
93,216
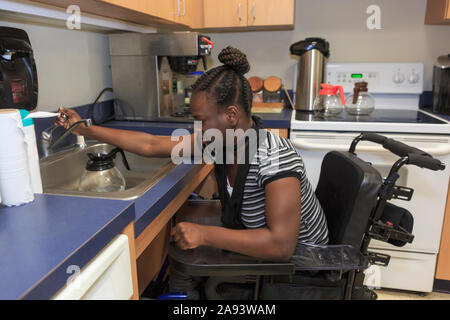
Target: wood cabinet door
168,9
447,15
165,9
437,12
443,260
149,7
271,13
224,14
191,13
136,5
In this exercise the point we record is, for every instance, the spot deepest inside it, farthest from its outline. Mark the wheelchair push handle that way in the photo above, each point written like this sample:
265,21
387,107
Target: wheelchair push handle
394,146
425,162
415,156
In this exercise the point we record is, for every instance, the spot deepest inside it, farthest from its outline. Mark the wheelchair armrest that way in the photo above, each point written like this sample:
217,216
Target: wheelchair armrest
309,257
209,261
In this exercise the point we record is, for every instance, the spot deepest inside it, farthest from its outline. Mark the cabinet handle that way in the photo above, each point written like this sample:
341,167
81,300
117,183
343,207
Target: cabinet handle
254,10
177,13
184,8
239,11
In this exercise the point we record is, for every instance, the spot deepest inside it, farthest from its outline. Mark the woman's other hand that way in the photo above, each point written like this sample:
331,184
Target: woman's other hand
188,235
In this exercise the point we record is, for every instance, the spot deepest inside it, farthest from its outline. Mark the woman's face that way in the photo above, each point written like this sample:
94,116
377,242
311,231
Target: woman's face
213,116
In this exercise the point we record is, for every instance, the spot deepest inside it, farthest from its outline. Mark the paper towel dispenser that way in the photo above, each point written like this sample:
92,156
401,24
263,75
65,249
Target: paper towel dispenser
18,75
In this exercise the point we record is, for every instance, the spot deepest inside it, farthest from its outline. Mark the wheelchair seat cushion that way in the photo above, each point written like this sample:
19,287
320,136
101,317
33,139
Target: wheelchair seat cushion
347,190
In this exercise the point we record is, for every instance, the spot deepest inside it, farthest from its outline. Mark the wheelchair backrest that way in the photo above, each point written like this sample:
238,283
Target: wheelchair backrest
347,190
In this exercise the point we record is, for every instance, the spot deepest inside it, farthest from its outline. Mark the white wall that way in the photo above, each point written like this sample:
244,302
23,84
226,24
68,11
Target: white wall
403,37
72,65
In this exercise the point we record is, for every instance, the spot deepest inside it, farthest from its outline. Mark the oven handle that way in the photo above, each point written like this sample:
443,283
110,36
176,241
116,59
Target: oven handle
440,150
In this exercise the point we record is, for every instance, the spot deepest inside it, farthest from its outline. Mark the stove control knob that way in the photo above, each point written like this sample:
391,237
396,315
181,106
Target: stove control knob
413,77
398,77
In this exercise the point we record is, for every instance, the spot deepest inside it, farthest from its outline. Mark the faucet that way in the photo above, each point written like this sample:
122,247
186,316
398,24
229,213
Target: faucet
47,136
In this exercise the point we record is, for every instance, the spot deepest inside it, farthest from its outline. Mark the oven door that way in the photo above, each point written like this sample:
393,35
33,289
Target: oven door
430,187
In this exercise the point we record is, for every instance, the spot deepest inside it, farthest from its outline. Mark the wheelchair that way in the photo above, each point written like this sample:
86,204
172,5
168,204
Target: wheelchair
355,199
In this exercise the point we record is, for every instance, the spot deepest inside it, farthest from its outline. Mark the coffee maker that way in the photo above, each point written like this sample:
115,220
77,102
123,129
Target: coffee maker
152,73
18,76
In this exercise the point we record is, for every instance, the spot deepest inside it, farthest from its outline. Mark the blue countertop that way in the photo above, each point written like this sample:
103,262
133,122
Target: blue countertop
270,120
42,238
39,240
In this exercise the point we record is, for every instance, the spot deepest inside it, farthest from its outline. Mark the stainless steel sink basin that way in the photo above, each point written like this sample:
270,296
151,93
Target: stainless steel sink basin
61,172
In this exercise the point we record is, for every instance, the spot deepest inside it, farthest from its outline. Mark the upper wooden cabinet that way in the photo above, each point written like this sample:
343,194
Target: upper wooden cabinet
148,7
438,12
270,13
248,13
225,14
189,13
141,12
182,12
178,11
194,14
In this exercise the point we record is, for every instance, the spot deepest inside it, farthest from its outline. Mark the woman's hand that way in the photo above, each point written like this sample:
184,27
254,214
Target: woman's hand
188,235
72,117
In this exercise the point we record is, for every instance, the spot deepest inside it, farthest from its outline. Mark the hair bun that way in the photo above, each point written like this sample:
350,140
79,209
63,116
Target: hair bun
234,59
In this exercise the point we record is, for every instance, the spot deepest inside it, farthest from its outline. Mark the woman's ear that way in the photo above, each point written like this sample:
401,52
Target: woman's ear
232,115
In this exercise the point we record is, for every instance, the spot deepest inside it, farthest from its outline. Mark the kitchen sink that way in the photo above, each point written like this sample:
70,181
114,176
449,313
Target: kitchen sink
61,172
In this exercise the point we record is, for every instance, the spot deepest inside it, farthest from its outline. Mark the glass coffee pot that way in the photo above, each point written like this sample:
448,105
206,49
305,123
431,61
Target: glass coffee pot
101,175
360,102
330,100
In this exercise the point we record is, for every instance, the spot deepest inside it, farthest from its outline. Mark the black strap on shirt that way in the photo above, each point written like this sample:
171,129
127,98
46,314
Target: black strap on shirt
231,206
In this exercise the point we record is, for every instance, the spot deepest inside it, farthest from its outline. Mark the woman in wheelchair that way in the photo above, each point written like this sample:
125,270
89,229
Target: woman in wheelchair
268,204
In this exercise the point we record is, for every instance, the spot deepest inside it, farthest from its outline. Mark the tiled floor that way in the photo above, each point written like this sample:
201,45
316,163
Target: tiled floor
388,294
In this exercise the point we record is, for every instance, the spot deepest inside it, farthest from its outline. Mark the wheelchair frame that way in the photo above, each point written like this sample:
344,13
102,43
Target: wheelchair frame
376,228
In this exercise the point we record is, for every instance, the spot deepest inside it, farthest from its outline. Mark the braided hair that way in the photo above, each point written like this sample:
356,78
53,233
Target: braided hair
227,83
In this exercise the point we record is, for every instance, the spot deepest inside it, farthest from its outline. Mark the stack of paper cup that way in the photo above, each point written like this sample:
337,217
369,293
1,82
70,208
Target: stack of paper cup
15,181
32,152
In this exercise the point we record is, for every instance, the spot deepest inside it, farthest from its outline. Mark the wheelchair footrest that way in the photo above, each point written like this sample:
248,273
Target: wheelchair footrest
384,232
378,259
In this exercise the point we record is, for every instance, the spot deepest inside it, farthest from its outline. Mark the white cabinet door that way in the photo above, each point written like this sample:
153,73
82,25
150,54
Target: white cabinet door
406,271
106,277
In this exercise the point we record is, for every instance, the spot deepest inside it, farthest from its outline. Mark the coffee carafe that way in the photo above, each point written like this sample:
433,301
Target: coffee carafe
361,101
330,101
101,175
313,54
